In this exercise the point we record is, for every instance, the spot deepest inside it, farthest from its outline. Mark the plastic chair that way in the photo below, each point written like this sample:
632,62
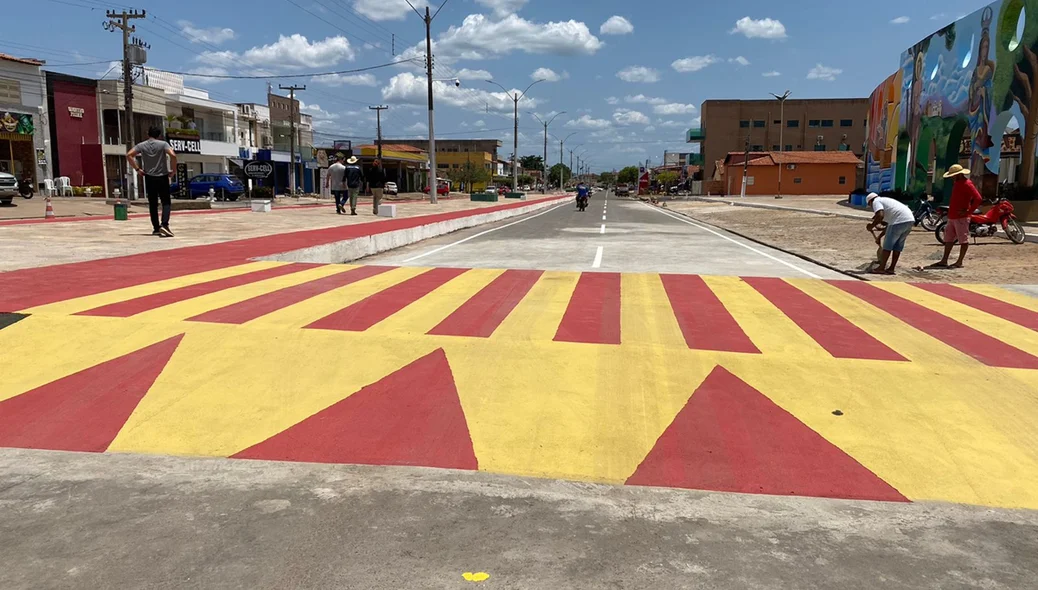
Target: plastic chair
64,183
48,187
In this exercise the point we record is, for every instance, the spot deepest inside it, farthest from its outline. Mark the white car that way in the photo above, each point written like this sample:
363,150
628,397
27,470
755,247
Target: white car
390,188
8,188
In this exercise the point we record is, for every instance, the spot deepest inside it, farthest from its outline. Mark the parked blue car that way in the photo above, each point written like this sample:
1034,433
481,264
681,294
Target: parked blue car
226,187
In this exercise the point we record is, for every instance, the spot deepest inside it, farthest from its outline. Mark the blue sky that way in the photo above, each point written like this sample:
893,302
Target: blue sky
630,75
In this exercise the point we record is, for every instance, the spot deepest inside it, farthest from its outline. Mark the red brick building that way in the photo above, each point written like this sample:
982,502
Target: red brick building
75,129
803,173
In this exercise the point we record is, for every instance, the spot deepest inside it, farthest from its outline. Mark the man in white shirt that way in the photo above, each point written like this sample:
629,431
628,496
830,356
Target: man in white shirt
899,220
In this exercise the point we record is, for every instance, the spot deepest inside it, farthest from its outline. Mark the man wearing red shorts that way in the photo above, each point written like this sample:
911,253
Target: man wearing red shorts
964,199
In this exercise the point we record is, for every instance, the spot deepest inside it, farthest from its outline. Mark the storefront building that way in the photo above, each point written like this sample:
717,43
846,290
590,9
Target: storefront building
75,135
24,142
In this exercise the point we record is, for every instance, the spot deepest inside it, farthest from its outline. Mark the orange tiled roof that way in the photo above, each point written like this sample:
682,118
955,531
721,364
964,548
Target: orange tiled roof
772,158
22,60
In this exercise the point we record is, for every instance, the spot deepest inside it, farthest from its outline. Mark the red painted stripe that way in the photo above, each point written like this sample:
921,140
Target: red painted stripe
250,309
830,330
484,312
703,319
364,314
125,309
593,314
984,348
1006,311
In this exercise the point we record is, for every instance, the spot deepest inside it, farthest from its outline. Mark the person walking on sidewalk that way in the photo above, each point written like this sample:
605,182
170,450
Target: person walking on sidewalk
964,199
377,182
354,182
158,165
335,182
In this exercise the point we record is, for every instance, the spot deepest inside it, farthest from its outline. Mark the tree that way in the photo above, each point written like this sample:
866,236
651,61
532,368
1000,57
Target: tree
469,174
667,179
532,162
554,173
525,180
607,178
628,175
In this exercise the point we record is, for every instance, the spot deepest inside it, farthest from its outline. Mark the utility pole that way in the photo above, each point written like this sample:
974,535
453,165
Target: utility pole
746,165
562,163
292,139
782,128
378,118
544,163
428,19
121,21
516,97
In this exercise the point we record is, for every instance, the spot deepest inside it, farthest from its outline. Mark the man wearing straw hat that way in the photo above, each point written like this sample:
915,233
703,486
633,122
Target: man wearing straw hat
964,200
354,181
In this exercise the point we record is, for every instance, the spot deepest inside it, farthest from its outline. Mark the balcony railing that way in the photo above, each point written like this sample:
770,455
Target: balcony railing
695,134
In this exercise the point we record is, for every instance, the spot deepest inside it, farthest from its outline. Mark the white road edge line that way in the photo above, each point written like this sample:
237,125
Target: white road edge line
720,235
483,233
598,257
603,229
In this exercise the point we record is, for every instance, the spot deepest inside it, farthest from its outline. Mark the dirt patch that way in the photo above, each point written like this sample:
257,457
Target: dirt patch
846,245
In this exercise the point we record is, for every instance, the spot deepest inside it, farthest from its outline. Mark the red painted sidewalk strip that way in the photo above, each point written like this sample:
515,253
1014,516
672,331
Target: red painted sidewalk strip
830,330
125,309
484,312
250,309
731,438
593,314
366,313
1007,311
703,319
984,348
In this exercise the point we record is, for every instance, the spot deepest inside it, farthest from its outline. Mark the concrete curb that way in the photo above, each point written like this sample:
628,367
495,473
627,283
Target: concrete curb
781,208
356,248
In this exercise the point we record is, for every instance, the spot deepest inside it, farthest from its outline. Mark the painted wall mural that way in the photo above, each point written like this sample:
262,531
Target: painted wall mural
957,93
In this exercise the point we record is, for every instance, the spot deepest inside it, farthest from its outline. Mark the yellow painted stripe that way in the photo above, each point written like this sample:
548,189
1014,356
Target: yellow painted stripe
79,304
1018,299
426,313
767,327
646,316
325,304
198,305
538,315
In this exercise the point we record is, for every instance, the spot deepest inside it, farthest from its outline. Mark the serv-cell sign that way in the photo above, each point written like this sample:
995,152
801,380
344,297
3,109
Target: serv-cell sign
185,146
258,169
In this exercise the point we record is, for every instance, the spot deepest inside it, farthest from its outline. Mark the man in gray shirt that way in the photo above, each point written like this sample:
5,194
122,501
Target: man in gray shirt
335,181
158,166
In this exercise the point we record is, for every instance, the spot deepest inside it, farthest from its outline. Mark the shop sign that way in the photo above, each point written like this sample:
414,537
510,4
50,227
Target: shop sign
185,146
342,144
19,123
182,185
322,158
76,112
258,170
41,157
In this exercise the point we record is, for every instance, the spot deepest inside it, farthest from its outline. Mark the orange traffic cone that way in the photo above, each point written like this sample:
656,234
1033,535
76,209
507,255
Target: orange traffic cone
50,210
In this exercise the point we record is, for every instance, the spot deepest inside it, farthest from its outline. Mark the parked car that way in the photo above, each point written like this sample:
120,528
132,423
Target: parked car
226,187
8,188
490,189
441,190
389,189
622,190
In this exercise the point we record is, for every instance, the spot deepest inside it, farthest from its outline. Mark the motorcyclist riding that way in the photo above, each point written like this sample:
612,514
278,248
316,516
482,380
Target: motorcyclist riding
583,194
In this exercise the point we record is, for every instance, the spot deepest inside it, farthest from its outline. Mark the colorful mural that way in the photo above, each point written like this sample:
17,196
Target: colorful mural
955,95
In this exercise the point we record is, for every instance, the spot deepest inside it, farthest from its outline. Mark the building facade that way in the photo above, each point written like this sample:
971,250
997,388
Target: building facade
75,129
24,134
800,173
805,125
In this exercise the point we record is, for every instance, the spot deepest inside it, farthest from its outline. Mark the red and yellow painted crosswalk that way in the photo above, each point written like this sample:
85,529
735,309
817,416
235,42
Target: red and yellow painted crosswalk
781,386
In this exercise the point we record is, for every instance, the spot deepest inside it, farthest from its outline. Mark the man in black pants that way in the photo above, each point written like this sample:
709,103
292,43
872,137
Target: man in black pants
159,165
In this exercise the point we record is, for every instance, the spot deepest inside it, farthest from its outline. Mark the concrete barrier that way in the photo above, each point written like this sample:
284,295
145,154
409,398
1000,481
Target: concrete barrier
348,250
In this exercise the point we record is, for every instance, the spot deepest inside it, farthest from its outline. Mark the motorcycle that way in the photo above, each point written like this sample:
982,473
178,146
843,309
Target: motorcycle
987,224
581,203
25,188
927,216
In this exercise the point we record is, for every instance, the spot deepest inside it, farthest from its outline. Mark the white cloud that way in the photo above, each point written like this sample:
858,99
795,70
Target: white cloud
480,37
630,117
213,35
407,88
638,74
467,74
295,51
479,124
610,100
694,63
674,108
670,123
588,122
316,111
503,7
379,10
771,74
765,28
742,61
210,70
939,16
900,20
642,99
417,128
548,75
346,80
820,72
616,25
650,128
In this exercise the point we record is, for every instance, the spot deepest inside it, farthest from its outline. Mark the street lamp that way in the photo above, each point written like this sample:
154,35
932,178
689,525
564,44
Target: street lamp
782,129
544,163
516,97
562,165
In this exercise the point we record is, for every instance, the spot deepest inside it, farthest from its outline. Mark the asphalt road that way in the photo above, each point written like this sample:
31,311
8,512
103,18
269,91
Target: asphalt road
612,235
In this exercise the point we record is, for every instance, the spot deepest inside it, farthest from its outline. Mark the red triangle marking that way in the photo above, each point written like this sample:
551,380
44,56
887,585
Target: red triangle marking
731,438
411,417
86,410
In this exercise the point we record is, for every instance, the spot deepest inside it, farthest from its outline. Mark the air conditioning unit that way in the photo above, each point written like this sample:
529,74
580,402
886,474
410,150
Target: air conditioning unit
791,166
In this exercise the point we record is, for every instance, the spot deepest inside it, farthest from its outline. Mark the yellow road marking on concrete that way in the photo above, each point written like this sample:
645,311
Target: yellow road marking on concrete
1018,299
79,304
426,313
767,327
538,315
646,316
306,312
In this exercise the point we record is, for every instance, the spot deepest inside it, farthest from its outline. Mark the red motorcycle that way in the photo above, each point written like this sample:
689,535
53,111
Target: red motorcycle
985,225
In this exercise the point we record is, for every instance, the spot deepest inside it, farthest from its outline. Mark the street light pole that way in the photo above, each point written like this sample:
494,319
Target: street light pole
428,19
544,162
782,129
516,97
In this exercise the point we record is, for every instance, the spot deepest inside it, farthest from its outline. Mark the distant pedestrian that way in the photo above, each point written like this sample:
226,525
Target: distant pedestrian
964,199
377,182
899,221
158,166
354,182
335,182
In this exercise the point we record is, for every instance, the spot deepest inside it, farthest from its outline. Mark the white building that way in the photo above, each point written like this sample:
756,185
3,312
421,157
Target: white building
24,132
